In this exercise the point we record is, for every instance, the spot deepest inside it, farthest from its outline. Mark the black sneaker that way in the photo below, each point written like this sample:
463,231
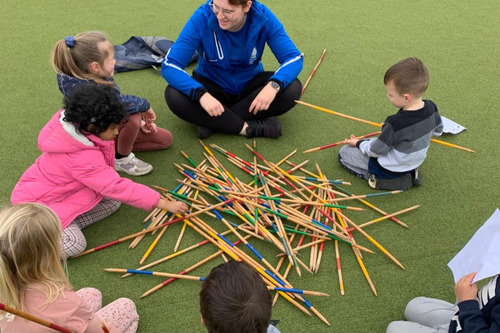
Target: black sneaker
417,177
403,183
268,128
204,132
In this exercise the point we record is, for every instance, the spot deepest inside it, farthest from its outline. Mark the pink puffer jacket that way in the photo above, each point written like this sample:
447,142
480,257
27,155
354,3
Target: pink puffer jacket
75,172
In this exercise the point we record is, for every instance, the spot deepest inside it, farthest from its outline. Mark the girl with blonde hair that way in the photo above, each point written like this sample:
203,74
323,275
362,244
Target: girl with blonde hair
33,279
88,58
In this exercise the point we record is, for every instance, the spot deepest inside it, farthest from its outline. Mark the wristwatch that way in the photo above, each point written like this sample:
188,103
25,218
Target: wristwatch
275,85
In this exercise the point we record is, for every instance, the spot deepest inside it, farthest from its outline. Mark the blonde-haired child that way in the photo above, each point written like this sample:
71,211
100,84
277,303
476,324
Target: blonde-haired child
88,58
392,161
34,280
74,176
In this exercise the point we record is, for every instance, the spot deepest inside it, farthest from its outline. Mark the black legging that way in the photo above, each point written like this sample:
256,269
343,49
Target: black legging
235,106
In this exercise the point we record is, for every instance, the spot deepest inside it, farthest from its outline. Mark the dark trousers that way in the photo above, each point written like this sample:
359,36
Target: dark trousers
236,107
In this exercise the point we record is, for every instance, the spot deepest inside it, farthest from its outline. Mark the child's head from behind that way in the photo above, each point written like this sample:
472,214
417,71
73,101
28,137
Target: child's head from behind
30,242
234,298
408,76
88,55
94,109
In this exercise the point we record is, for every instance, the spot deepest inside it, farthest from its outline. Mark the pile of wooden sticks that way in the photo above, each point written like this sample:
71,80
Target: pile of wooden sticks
274,206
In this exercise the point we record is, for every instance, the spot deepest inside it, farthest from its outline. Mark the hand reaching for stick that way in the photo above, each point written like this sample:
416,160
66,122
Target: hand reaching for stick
176,207
352,141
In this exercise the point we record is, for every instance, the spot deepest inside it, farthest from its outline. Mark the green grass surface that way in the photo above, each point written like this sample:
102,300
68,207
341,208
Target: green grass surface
458,41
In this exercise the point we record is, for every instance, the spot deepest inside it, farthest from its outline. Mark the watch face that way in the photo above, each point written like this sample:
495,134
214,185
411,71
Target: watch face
275,85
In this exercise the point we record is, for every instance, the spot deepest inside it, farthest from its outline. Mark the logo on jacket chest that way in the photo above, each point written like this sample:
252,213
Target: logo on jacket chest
253,56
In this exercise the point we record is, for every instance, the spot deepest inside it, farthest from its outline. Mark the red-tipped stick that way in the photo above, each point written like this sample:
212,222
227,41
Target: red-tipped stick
119,240
34,319
313,71
378,125
339,143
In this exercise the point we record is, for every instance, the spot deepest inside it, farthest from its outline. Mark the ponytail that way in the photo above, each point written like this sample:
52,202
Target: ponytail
72,56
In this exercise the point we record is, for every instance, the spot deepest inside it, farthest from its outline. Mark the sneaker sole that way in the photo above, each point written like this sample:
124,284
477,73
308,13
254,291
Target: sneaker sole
138,173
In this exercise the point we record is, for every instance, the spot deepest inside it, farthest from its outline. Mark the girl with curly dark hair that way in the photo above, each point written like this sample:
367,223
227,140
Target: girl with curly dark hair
75,174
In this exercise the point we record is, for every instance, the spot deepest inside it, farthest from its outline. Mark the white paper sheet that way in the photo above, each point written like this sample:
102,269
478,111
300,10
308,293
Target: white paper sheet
451,127
481,254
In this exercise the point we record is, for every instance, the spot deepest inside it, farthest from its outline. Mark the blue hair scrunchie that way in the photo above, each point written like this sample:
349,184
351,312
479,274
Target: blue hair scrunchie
70,41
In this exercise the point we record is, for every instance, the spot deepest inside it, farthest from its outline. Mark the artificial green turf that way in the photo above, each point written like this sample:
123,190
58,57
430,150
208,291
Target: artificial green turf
458,41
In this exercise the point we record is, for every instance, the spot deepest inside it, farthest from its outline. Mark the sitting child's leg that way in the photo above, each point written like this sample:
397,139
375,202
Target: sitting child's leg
411,327
430,312
122,314
102,210
425,315
160,139
128,134
73,241
92,297
354,161
125,160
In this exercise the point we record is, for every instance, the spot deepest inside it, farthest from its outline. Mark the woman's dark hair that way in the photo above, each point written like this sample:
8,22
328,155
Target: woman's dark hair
90,104
238,2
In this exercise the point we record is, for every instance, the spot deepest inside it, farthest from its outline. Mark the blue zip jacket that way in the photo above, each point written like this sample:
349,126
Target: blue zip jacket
203,34
133,104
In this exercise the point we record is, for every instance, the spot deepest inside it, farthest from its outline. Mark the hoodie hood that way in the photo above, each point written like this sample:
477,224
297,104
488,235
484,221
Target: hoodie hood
58,136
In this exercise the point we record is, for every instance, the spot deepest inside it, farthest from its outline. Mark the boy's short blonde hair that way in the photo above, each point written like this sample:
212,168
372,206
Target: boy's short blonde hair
408,76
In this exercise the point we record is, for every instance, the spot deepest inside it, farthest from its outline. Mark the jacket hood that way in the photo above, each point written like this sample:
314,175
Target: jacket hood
58,136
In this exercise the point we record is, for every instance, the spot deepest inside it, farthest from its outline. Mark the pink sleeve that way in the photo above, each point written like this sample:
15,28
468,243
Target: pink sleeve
77,313
104,180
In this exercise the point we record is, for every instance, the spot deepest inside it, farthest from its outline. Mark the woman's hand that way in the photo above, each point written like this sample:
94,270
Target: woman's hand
213,107
263,100
464,290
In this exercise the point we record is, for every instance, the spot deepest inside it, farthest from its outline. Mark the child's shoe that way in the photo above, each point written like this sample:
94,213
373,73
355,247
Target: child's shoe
204,132
269,128
417,177
402,183
132,165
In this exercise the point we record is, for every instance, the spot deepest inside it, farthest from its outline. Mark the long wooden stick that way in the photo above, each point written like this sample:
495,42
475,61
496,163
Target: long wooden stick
313,71
282,259
373,241
378,125
33,318
170,275
187,270
339,266
387,216
119,240
175,254
366,203
339,143
200,278
357,254
153,245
